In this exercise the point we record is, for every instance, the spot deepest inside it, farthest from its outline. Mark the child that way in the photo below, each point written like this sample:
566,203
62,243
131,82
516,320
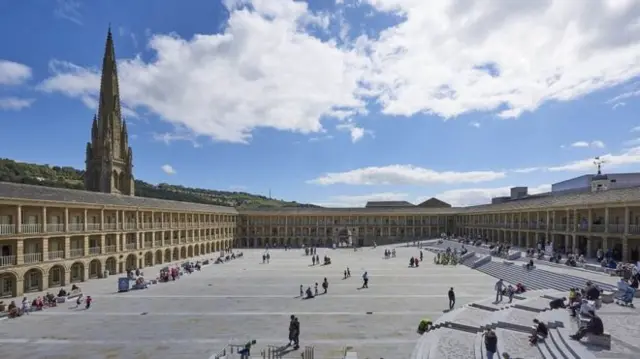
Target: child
88,302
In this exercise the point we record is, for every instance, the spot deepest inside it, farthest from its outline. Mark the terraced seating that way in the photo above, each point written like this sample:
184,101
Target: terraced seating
536,278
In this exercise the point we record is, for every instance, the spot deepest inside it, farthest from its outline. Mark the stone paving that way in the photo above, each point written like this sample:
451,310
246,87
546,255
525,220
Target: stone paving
199,314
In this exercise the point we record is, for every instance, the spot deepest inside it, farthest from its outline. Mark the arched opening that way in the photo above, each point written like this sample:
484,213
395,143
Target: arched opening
148,259
259,242
33,280
176,254
196,250
158,256
8,287
167,255
56,276
131,262
190,251
110,265
208,247
77,272
183,252
116,180
95,269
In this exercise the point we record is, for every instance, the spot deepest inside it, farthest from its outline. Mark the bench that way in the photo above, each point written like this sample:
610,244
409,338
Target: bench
507,262
607,297
74,294
603,340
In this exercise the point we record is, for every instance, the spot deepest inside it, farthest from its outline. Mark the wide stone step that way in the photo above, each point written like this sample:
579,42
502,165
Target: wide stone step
516,344
453,344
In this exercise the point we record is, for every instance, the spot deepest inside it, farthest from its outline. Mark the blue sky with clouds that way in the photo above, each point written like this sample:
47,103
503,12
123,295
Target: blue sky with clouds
333,102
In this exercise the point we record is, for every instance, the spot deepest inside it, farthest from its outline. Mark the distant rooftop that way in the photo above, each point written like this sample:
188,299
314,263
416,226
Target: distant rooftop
381,204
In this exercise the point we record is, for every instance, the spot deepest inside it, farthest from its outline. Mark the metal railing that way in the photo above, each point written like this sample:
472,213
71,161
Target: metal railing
54,255
6,261
76,252
32,257
55,227
31,228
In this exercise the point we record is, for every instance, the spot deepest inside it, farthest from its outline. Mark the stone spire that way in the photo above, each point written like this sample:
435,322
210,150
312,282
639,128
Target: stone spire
109,166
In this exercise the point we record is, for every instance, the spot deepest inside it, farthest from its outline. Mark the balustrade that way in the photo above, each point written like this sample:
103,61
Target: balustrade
32,258
94,250
76,252
31,228
55,255
55,227
130,246
7,261
110,249
7,229
93,226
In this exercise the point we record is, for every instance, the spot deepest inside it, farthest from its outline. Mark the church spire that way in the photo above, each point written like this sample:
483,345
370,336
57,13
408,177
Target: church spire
109,157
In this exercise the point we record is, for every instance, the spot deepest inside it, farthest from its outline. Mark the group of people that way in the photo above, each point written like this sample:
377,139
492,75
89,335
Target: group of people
389,253
447,257
508,290
583,304
309,294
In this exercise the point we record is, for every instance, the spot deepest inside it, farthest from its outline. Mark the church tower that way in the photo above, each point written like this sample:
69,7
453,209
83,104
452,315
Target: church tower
109,162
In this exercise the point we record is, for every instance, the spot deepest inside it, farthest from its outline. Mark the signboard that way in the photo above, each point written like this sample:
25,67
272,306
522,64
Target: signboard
123,284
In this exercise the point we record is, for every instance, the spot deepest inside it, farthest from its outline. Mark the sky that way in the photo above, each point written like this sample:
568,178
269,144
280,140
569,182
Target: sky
333,102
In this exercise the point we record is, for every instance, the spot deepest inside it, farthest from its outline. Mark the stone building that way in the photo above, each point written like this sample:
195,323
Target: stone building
51,237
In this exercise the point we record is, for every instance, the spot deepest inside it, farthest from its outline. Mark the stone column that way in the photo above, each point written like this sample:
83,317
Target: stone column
86,220
45,249
626,220
66,220
625,248
605,243
19,251
117,220
103,241
44,222
18,219
589,247
102,219
606,220
589,222
67,247
85,245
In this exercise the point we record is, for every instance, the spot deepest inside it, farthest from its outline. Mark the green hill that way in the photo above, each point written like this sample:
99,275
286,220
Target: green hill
69,177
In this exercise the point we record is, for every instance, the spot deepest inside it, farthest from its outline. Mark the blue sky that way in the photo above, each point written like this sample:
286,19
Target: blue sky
333,102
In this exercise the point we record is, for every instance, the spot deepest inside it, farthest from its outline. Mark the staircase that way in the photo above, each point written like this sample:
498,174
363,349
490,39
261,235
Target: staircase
536,278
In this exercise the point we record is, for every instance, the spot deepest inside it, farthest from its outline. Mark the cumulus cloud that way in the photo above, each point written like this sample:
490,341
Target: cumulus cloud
264,70
168,169
475,124
15,103
627,157
456,56
450,57
586,144
403,175
476,196
361,200
13,73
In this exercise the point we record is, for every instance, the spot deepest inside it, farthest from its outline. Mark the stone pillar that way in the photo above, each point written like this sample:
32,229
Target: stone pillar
606,220
118,242
589,247
18,219
103,242
45,249
589,223
567,244
102,219
626,220
153,239
85,245
19,251
66,221
625,248
86,220
44,222
67,247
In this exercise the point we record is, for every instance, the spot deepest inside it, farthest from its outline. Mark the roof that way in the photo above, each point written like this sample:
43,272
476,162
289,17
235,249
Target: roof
434,202
389,204
17,191
562,200
349,211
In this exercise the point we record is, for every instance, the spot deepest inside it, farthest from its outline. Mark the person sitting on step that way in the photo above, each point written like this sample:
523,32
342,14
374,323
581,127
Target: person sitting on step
540,331
558,303
594,326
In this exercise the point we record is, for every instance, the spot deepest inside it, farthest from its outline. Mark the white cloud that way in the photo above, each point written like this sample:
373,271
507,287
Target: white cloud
356,132
476,196
636,129
618,105
403,175
632,90
264,70
627,157
168,169
15,103
320,138
168,138
592,144
13,73
361,200
68,10
527,170
475,124
452,57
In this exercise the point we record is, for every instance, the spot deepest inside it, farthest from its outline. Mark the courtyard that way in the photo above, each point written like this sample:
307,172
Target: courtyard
196,316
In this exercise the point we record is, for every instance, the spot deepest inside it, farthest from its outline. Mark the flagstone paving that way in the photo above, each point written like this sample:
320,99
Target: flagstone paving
244,299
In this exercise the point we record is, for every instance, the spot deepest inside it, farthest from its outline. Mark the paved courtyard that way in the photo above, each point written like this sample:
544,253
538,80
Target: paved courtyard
198,315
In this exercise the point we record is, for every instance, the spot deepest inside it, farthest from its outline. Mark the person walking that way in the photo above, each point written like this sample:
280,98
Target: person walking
499,287
452,298
490,343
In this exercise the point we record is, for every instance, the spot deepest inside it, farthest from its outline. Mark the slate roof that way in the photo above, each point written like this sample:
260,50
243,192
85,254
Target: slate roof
388,204
17,191
434,203
352,211
561,200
